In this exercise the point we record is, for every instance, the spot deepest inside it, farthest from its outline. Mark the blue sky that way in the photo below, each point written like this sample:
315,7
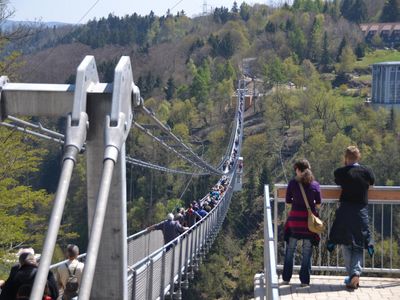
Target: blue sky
72,11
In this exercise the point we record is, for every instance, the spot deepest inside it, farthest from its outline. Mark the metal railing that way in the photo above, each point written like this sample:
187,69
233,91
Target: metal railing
266,284
170,266
383,204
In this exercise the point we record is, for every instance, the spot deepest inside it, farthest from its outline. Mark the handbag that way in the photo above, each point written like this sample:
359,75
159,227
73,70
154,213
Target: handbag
314,223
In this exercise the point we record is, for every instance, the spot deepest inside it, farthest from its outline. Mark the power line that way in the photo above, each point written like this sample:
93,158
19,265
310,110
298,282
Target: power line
176,4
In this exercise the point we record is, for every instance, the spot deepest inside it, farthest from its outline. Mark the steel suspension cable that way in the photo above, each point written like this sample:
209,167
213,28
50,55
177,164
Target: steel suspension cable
167,131
145,164
165,145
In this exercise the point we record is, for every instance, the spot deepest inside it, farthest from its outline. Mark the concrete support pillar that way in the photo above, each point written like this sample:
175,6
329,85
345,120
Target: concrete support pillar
110,278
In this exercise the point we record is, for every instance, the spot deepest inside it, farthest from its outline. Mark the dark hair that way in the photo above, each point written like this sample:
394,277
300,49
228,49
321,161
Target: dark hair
27,259
305,168
72,251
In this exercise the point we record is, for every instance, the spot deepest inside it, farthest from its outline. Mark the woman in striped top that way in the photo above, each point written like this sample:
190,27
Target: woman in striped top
296,225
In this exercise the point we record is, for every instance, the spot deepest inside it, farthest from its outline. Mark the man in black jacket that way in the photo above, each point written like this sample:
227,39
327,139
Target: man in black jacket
351,225
25,276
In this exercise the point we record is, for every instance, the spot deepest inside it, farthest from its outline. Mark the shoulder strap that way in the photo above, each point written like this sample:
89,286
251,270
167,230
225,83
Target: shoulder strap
69,271
304,196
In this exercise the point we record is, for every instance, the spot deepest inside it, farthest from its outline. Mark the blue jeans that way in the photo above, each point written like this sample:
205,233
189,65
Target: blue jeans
352,256
305,262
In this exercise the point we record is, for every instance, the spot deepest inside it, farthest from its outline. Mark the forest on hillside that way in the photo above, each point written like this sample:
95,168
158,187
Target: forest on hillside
306,61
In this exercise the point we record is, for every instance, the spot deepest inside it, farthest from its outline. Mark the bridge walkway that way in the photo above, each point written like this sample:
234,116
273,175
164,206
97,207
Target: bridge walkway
332,288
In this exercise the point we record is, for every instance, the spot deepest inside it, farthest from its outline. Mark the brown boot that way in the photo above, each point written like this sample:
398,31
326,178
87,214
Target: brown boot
354,282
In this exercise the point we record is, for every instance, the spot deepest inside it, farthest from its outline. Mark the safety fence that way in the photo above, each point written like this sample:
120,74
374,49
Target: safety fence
384,211
266,284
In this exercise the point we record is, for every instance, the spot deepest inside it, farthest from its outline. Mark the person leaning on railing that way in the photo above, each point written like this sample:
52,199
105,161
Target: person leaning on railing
350,227
296,227
171,229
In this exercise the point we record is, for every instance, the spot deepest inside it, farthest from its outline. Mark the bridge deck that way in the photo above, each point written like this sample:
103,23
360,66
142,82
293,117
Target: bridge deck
332,288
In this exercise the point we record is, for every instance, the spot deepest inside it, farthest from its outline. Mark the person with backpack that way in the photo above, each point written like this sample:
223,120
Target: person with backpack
69,274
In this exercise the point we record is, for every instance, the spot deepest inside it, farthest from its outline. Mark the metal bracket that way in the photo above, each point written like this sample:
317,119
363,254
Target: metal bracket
125,95
77,121
86,75
3,81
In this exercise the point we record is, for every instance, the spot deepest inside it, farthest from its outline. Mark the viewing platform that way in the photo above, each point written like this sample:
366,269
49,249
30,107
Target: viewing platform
381,273
332,288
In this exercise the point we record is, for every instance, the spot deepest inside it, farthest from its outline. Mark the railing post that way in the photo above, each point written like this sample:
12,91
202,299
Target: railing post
178,293
162,283
185,283
171,281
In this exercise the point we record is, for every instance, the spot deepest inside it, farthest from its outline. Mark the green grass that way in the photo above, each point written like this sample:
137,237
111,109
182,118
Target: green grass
363,78
378,56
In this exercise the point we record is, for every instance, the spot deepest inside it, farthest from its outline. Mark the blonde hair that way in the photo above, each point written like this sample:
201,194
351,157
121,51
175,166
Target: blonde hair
352,154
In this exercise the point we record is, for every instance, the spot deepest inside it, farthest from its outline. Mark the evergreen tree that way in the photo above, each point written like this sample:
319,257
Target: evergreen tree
391,11
325,57
359,11
316,38
298,42
346,8
270,27
169,90
226,47
264,179
235,8
360,50
342,45
244,11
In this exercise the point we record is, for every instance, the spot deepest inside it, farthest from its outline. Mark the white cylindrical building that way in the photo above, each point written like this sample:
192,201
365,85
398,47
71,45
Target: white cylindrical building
386,82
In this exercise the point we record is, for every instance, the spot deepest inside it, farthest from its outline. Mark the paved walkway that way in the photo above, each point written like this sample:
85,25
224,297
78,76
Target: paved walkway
332,288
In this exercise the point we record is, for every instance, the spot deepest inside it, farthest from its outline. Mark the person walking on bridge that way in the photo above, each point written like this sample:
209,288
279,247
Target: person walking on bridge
171,229
350,227
296,225
69,274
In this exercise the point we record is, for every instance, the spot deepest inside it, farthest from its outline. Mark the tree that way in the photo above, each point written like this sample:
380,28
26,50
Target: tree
325,57
264,179
200,86
354,10
316,38
390,11
342,45
23,211
235,9
170,89
275,72
360,50
360,12
298,42
244,11
346,61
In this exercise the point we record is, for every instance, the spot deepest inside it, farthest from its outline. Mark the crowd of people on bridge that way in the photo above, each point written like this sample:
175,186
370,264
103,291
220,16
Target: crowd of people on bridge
350,227
229,163
62,285
183,219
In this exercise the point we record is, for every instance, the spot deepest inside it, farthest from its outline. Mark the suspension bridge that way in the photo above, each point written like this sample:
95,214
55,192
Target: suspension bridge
99,120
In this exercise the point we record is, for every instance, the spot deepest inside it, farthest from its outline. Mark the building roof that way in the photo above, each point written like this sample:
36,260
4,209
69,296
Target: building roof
388,63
